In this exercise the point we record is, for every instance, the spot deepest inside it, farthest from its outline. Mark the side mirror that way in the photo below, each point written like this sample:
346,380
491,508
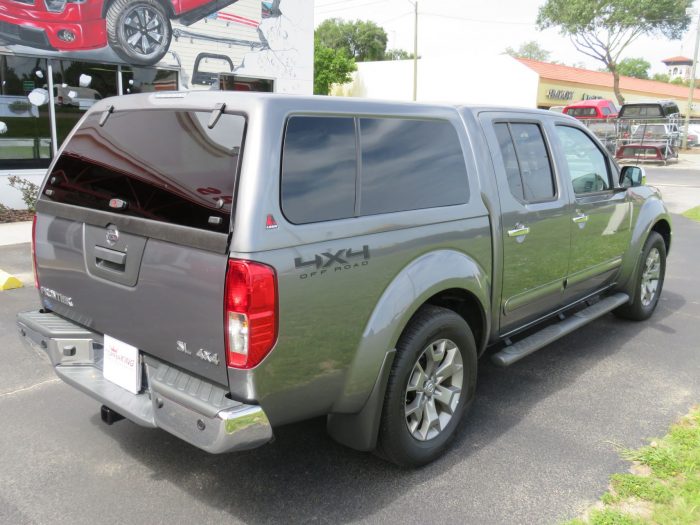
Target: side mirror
632,176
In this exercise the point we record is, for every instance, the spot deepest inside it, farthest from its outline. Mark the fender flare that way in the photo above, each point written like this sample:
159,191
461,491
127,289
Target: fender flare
354,419
651,212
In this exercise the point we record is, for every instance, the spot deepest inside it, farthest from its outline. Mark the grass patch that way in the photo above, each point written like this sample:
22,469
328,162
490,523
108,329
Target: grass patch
666,486
693,213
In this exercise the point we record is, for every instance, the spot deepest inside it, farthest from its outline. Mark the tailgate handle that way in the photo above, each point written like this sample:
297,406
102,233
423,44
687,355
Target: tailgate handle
110,259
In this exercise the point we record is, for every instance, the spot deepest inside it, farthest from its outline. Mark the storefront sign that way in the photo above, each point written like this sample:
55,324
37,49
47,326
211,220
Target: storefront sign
560,94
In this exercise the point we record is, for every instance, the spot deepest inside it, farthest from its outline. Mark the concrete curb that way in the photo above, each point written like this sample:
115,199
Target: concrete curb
9,282
15,233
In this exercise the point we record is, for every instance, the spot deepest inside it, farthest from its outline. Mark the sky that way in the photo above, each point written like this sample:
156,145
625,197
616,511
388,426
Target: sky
486,26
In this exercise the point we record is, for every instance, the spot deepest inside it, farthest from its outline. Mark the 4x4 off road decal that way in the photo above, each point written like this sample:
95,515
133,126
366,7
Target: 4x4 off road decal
333,261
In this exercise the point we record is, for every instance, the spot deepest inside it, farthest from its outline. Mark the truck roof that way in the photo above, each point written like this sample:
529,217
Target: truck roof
252,101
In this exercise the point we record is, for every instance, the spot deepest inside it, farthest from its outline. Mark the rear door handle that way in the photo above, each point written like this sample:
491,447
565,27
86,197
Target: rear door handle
580,218
518,231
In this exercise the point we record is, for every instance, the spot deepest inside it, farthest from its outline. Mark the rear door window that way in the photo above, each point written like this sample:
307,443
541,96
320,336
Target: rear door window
319,169
533,161
165,165
410,164
510,160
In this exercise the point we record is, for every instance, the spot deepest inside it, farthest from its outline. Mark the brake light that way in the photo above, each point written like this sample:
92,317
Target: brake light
250,313
36,275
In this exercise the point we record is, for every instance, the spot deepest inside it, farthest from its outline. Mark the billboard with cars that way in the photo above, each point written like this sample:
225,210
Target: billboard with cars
270,40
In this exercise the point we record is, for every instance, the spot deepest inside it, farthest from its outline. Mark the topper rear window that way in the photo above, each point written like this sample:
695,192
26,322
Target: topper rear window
164,165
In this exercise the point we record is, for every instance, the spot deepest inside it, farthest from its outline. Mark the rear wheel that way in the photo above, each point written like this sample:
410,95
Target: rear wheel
650,280
432,382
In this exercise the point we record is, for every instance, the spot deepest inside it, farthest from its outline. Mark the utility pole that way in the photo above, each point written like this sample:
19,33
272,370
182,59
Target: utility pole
415,49
691,92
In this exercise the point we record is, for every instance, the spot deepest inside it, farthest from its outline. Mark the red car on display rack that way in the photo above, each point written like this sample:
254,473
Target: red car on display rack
138,31
592,109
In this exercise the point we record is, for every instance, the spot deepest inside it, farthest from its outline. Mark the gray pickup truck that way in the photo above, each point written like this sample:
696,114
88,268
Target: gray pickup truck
219,264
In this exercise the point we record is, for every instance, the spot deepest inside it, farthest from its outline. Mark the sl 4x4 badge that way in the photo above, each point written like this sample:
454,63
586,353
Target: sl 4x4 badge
346,259
204,355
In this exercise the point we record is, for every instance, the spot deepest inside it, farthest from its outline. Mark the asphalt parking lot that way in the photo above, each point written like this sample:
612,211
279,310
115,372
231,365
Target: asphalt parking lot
537,447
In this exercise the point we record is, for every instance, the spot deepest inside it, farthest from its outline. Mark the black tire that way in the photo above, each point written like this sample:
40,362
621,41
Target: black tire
396,443
123,23
640,308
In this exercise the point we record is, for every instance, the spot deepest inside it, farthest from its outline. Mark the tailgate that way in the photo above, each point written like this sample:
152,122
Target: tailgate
132,231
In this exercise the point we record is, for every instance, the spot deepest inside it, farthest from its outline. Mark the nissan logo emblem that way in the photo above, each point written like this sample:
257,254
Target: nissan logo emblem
112,235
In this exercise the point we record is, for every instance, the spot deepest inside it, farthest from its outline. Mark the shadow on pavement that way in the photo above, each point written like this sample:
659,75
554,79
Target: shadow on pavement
306,475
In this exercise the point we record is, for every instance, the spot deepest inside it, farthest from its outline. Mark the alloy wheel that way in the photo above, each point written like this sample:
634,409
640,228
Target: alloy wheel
650,276
144,30
434,389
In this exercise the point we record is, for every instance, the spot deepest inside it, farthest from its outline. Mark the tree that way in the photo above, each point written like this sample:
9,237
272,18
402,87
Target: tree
331,66
634,67
362,40
531,50
661,77
602,29
678,81
397,54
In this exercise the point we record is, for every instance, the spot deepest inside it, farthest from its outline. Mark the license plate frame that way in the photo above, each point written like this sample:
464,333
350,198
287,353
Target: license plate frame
121,364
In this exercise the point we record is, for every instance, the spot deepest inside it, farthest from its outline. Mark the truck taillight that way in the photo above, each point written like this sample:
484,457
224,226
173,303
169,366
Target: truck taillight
250,313
36,275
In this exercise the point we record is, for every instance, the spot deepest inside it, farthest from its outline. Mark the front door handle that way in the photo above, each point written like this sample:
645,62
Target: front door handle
518,231
580,218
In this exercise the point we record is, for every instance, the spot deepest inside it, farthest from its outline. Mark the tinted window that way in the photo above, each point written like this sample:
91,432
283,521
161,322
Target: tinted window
25,138
319,169
410,164
167,165
535,168
588,167
510,160
642,110
581,112
671,109
606,110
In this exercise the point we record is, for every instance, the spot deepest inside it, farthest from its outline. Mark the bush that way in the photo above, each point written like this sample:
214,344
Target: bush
29,190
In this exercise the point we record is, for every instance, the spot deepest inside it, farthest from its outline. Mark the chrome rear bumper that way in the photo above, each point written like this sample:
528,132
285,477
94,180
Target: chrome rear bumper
188,407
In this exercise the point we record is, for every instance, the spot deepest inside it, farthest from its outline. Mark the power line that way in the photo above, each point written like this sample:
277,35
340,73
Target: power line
395,18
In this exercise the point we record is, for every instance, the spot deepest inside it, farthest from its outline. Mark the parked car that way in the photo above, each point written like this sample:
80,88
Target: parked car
592,109
139,31
647,152
646,110
81,97
656,132
355,263
693,135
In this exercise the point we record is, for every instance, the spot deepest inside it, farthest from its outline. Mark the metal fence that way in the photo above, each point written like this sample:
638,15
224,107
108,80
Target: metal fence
641,140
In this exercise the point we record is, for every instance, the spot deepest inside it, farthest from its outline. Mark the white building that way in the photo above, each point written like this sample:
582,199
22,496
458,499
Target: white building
678,67
489,80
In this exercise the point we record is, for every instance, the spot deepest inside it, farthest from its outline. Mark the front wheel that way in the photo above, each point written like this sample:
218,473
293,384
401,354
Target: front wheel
139,31
432,382
649,282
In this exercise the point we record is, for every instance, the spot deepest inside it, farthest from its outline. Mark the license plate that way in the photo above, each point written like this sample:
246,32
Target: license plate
121,364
